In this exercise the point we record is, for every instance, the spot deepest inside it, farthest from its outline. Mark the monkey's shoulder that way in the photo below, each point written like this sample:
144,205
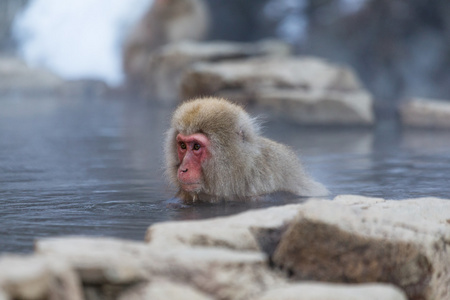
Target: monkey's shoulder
277,156
284,164
270,146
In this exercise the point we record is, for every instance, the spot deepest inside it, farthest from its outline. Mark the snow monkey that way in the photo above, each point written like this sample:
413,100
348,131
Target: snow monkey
214,153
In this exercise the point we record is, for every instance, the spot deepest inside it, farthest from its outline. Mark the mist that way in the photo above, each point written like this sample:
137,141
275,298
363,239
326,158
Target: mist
77,39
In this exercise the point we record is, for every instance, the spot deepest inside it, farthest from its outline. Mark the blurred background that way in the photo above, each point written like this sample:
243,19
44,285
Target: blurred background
398,48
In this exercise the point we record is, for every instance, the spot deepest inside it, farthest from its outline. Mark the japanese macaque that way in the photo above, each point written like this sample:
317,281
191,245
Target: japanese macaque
214,153
166,21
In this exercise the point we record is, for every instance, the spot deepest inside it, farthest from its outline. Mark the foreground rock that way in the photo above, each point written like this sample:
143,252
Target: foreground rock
239,232
37,278
166,65
99,261
351,239
124,267
399,242
352,247
305,90
426,113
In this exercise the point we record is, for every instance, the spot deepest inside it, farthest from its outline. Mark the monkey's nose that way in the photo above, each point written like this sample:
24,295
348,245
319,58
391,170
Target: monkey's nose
184,171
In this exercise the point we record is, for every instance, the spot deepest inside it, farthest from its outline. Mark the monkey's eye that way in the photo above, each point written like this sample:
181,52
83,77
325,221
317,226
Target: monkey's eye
196,146
183,146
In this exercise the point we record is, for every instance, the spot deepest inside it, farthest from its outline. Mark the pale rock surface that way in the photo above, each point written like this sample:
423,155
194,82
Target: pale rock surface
234,232
350,239
327,291
167,64
35,277
161,289
306,90
213,271
97,261
426,113
221,273
400,242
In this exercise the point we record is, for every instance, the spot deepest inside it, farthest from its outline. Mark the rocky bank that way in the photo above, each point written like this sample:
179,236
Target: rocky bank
425,113
17,79
352,247
305,90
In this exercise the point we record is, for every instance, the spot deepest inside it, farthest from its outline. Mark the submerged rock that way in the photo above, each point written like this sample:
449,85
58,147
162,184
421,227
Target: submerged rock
167,64
426,113
304,89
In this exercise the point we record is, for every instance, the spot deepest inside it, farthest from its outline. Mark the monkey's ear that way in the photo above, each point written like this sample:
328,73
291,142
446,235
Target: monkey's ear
242,135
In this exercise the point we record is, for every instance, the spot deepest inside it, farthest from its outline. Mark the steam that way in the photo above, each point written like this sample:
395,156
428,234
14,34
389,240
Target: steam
77,39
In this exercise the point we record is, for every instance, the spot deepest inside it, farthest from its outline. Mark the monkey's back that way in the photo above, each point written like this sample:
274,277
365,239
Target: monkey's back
281,170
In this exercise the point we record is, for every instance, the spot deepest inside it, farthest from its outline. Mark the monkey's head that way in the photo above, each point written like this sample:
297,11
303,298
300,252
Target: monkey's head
206,147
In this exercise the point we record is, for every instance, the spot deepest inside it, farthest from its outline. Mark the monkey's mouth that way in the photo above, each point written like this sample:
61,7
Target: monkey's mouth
191,187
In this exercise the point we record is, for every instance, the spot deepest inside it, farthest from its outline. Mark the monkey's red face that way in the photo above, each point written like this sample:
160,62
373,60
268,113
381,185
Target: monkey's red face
192,151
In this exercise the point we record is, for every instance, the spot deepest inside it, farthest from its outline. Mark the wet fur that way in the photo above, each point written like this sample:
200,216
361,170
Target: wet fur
243,164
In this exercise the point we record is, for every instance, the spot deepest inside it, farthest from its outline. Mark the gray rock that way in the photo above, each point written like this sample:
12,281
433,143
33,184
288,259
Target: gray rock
99,261
234,232
4,296
34,277
351,239
221,273
399,242
425,113
116,265
106,267
305,90
166,65
327,291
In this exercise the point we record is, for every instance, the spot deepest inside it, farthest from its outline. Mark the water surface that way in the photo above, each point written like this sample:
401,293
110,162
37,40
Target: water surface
95,167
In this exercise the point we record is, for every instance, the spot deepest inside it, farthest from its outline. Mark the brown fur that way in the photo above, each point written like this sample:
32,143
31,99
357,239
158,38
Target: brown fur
243,164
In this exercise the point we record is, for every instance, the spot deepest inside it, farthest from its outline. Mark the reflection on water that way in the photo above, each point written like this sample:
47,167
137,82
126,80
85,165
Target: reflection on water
94,167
